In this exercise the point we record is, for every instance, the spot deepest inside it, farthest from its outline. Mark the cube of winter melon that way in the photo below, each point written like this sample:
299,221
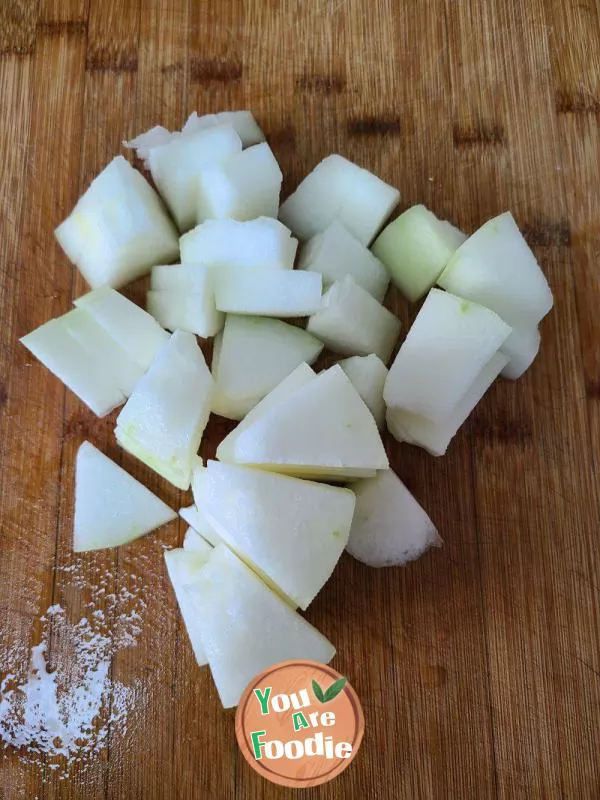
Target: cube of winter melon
415,248
339,189
449,343
496,267
351,322
336,253
243,188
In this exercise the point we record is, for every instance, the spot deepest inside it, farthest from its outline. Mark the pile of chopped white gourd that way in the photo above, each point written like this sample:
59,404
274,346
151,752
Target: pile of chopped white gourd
272,515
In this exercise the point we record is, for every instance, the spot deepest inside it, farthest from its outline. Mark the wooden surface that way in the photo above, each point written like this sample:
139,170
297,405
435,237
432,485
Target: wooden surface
479,666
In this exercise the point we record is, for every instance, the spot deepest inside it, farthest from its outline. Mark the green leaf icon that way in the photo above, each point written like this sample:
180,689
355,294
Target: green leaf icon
318,692
335,688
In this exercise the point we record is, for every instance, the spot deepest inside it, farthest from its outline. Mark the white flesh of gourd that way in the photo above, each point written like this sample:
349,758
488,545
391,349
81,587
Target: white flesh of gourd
298,378
415,248
246,627
339,189
267,292
336,253
449,343
119,228
351,322
243,188
136,331
322,430
67,359
197,520
367,374
254,355
183,567
163,421
111,506
294,531
436,436
103,350
177,165
522,347
496,267
389,527
188,308
261,242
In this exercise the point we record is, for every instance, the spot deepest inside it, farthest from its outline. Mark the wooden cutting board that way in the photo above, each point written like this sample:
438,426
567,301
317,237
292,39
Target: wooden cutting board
478,666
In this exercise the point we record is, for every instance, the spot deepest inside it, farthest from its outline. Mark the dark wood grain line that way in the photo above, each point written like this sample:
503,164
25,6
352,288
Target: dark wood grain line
68,27
106,61
501,429
283,137
321,83
592,388
578,102
214,70
480,133
373,126
548,233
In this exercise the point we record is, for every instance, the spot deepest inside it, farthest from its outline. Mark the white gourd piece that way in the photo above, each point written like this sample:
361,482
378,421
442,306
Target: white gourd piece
176,167
194,542
119,228
339,189
290,530
88,378
111,507
449,343
522,347
183,567
415,248
435,437
183,298
262,242
144,142
335,253
253,356
246,627
136,331
367,374
496,268
267,292
242,122
295,380
197,520
351,322
322,430
103,350
245,187
389,528
163,421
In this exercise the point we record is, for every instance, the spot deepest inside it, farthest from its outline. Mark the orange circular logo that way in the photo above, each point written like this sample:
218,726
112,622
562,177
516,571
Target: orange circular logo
299,723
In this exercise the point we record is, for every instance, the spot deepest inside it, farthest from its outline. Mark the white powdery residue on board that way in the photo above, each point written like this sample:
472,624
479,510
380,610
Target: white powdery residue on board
63,717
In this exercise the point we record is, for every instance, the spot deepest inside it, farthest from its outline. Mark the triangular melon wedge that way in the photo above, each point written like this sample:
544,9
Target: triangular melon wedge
389,525
183,566
322,430
246,627
291,530
111,507
302,375
163,421
254,356
193,542
198,521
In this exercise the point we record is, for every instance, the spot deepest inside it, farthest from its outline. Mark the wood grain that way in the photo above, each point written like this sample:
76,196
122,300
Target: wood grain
478,666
